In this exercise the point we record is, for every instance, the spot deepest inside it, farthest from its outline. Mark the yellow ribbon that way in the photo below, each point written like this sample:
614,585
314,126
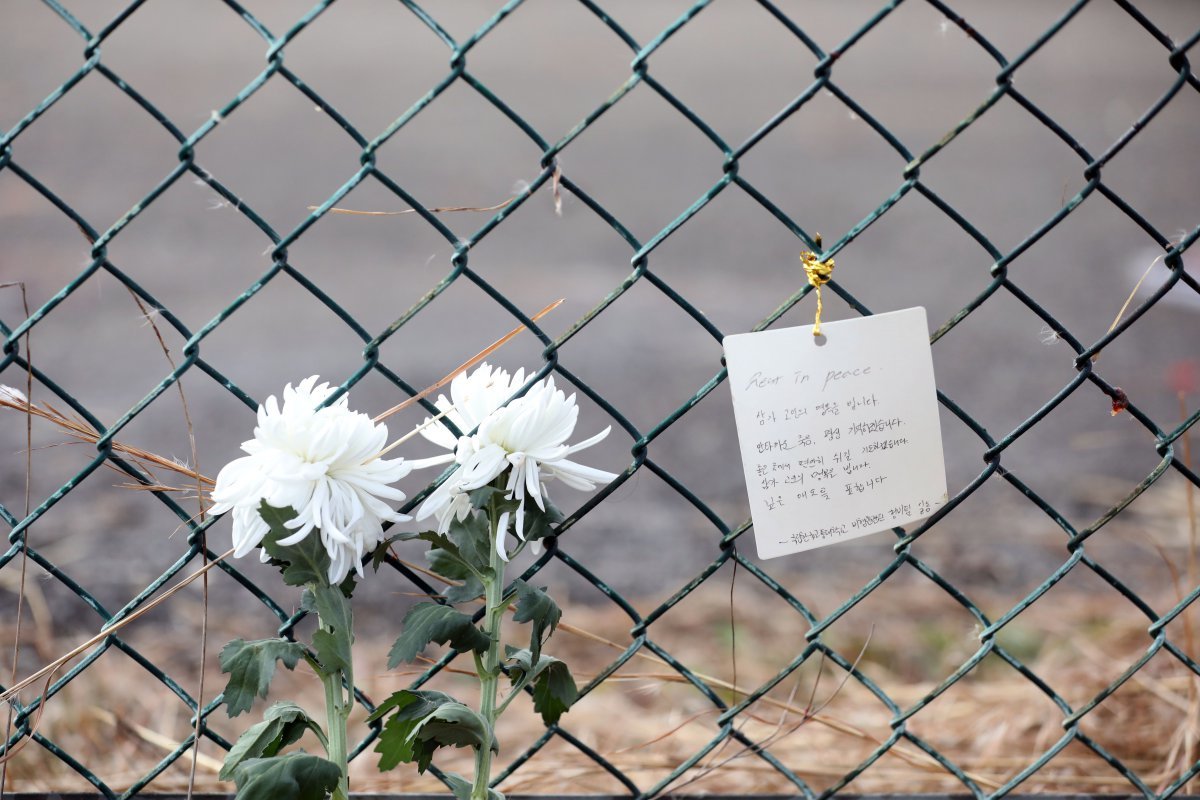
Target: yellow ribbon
818,273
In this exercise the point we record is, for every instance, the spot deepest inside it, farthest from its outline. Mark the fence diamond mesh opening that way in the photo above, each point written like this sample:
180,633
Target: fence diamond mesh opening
173,249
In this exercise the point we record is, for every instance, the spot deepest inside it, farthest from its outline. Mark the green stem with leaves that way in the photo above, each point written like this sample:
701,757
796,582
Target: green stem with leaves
339,700
488,665
420,721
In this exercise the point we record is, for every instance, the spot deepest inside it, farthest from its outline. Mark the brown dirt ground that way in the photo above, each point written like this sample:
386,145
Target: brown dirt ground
647,721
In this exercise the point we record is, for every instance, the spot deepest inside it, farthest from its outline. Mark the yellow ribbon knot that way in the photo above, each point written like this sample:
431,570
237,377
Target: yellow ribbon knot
818,273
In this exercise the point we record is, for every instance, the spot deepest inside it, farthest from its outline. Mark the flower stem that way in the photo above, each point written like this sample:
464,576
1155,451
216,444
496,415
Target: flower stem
489,675
337,712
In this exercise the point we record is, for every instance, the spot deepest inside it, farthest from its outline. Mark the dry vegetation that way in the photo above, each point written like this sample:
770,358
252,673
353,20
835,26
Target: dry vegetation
647,721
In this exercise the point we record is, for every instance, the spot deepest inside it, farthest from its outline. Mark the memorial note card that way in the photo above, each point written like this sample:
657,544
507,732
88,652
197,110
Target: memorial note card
839,434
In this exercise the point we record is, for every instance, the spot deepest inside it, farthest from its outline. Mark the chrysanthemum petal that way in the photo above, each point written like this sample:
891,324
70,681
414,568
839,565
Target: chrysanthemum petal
586,443
578,476
501,529
434,461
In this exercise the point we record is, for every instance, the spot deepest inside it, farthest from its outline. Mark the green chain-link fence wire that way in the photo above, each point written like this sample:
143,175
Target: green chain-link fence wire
14,364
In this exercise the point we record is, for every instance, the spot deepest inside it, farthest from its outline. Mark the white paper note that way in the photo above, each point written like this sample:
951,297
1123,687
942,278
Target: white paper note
838,439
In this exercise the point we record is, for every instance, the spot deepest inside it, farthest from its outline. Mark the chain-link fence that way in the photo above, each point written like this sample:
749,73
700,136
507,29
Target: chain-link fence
724,175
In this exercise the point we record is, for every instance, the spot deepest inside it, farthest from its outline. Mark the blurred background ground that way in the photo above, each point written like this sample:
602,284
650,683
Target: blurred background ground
553,62
646,720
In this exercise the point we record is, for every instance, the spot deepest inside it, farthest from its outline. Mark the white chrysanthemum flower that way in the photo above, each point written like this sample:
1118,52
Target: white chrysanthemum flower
324,464
472,398
528,438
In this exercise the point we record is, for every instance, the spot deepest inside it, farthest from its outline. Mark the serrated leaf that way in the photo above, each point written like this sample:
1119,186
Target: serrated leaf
483,495
537,607
295,722
396,743
464,592
333,647
455,725
492,497
283,724
251,665
286,711
432,622
303,563
472,537
308,602
520,663
295,776
554,690
333,607
379,554
540,524
333,655
452,568
454,564
253,743
460,787
410,704
433,537
447,564
447,561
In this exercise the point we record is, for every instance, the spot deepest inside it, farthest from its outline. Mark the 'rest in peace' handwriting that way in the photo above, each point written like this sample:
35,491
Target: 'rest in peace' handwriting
763,380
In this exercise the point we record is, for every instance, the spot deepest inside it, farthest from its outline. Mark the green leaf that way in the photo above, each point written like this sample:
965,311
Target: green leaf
295,721
283,724
303,563
537,607
447,564
463,551
432,622
332,652
465,592
379,554
296,776
492,497
410,703
554,690
483,495
521,663
455,725
460,787
333,609
447,561
397,741
473,538
433,537
540,524
251,665
346,587
452,568
286,711
395,745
